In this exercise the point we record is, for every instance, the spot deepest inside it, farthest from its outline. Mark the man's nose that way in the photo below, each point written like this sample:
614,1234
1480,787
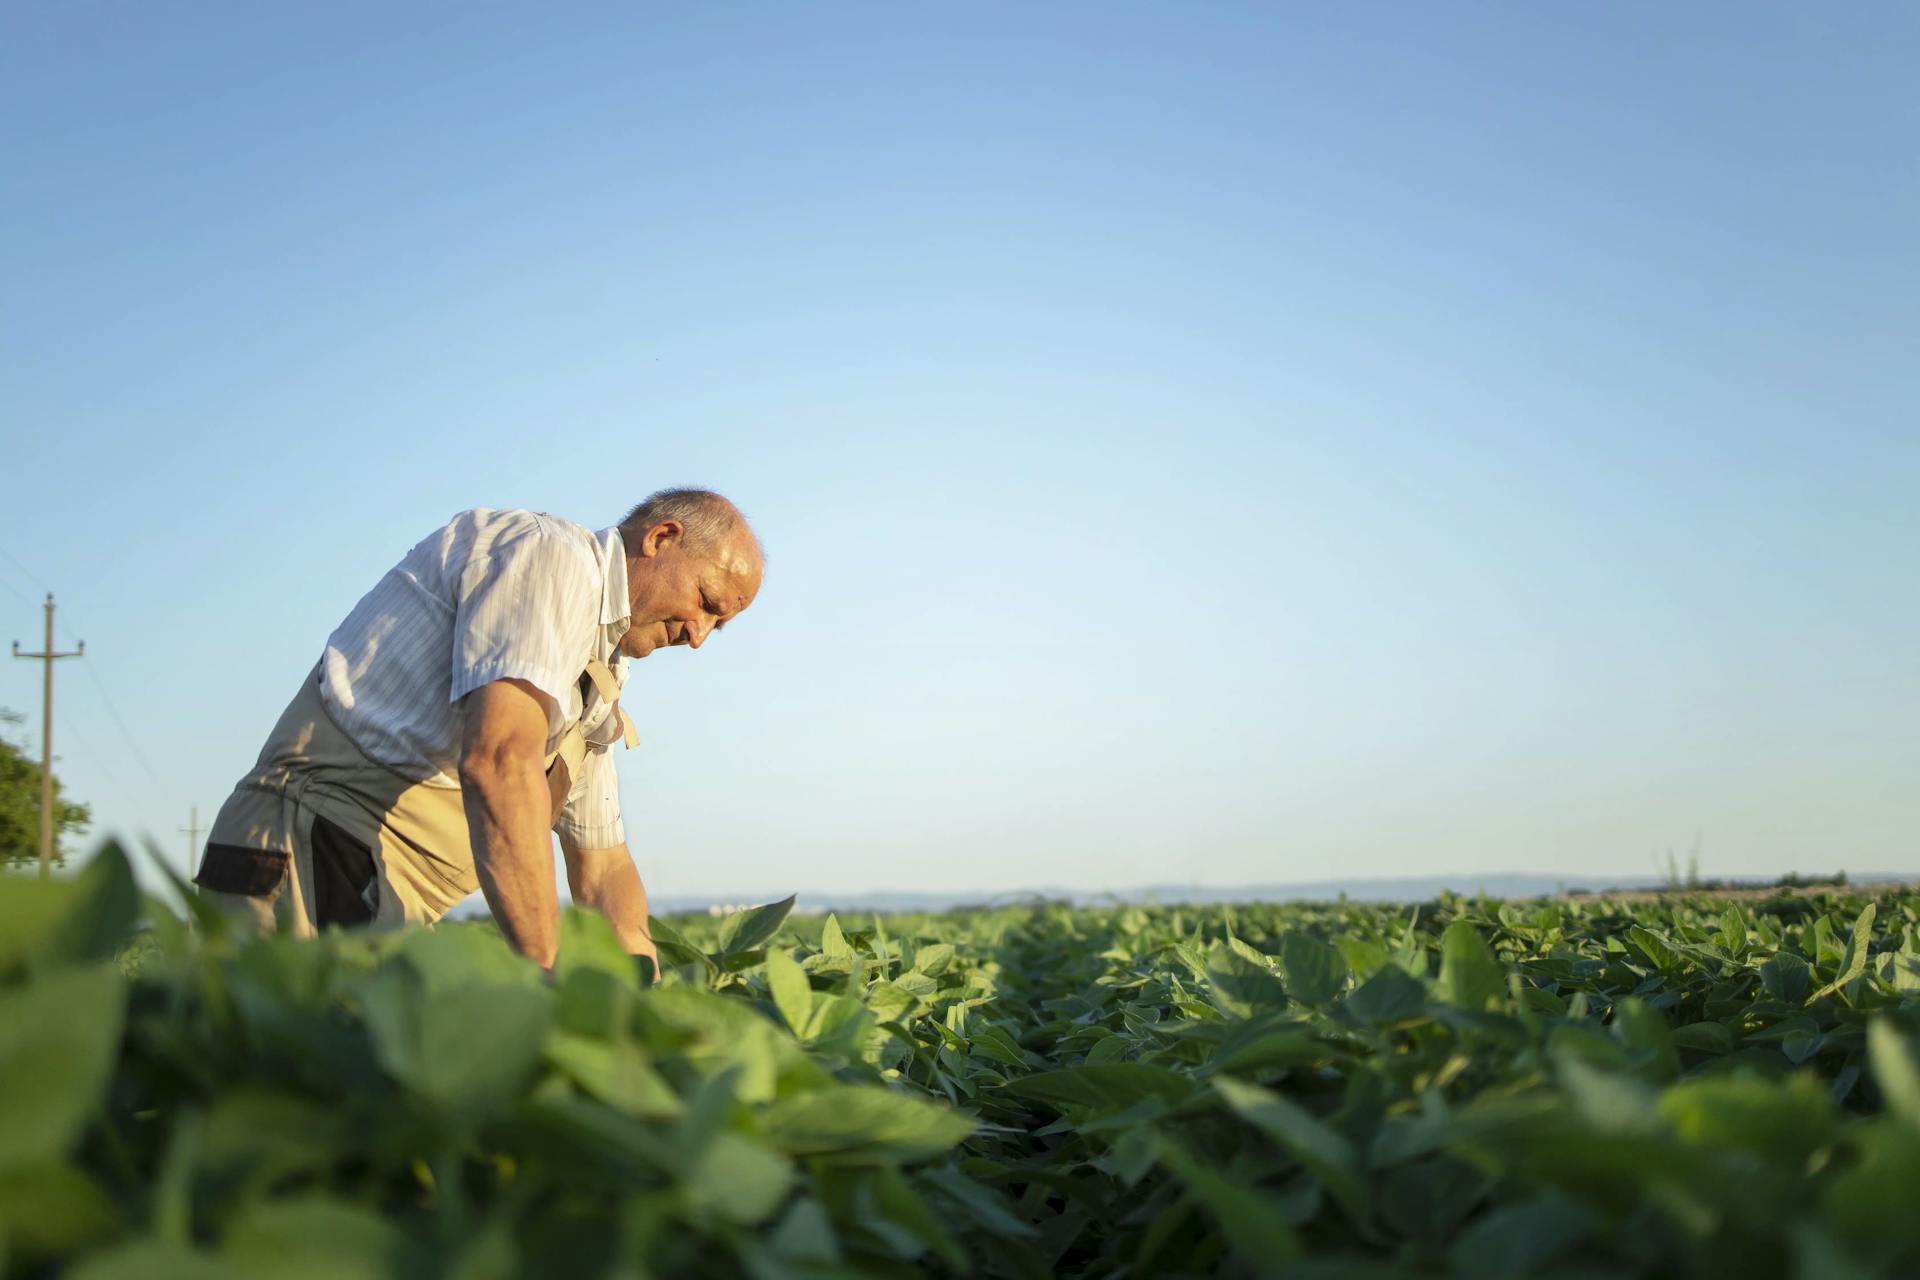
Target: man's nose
696,634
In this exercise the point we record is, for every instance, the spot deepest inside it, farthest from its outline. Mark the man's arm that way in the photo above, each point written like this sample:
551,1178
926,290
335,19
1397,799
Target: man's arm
503,785
605,880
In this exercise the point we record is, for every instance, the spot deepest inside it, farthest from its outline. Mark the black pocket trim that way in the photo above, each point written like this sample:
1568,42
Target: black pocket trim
232,868
346,885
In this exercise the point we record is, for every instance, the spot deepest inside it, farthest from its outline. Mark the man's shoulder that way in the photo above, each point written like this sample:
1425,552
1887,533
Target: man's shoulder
483,532
512,520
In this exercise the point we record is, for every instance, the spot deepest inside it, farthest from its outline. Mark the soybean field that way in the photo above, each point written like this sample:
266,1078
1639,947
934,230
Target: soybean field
1684,1087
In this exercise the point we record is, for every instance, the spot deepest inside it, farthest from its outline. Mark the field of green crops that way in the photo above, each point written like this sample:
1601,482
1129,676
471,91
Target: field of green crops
1688,1087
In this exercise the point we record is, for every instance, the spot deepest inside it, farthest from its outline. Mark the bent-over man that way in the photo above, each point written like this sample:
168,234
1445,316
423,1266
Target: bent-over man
467,707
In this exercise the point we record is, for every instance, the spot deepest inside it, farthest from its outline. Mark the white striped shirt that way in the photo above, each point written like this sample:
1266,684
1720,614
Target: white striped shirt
490,595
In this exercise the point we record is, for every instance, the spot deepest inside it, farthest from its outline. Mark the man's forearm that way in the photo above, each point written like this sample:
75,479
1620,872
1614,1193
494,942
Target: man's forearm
606,881
508,811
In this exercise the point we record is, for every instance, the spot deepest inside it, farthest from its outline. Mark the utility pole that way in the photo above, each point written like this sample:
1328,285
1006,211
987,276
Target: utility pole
47,658
192,832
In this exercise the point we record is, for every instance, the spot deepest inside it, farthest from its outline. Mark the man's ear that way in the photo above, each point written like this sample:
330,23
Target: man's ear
654,538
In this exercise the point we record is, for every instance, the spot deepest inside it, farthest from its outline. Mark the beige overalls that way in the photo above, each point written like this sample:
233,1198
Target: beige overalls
318,834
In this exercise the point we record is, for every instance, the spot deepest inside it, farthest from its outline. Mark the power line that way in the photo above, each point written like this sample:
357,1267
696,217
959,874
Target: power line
126,734
31,575
66,628
15,592
70,728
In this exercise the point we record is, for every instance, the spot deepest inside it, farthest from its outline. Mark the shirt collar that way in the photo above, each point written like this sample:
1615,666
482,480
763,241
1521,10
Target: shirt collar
616,610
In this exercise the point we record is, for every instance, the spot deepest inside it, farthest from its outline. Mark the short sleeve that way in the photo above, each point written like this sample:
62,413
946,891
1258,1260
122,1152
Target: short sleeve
590,819
526,611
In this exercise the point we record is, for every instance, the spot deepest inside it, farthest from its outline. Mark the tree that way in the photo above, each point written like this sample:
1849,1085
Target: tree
20,804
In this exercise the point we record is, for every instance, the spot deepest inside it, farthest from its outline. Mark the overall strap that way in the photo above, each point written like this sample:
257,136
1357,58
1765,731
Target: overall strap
572,749
609,690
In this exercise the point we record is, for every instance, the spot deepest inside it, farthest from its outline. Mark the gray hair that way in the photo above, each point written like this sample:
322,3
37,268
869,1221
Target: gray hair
708,518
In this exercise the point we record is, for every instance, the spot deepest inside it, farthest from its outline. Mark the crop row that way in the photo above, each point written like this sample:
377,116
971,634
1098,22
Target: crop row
1683,1088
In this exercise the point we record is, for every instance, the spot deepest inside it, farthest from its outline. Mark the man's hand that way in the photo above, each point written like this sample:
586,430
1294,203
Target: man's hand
503,784
605,880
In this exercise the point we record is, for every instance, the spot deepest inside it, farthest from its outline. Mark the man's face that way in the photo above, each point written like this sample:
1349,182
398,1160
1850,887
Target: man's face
680,597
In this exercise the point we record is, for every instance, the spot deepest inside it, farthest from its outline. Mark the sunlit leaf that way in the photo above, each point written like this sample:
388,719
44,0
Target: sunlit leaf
748,930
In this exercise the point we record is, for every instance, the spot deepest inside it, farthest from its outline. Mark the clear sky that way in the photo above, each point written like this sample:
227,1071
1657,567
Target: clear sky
1197,444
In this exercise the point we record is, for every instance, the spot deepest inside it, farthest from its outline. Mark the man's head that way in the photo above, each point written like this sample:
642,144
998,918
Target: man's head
692,563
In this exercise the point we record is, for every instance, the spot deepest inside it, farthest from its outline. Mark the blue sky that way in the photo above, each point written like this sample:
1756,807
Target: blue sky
1195,444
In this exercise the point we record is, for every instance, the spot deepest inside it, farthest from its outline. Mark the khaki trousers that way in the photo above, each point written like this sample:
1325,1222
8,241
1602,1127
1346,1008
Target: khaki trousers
317,834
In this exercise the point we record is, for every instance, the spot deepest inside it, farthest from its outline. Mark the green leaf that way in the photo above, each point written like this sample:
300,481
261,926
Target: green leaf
805,1234
713,1032
1109,1085
898,1202
1267,1050
101,917
1902,971
1317,1146
933,960
588,942
1896,1069
1782,1121
1253,1224
862,1123
738,1179
1817,1253
1426,1202
1704,1037
746,930
1519,1239
270,1134
840,1024
1390,995
674,948
152,1260
487,1254
1854,962
1241,987
1868,1203
918,983
1642,1028
792,993
1801,1043
1246,951
592,1002
315,1238
833,943
980,1203
51,1209
1658,951
59,1040
1611,1102
617,1072
30,910
1733,929
993,1042
470,1052
55,923
1363,955
1787,978
891,1002
446,957
1469,975
1315,972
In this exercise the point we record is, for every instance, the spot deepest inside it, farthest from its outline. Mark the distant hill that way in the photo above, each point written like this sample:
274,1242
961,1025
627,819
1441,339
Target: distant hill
1498,884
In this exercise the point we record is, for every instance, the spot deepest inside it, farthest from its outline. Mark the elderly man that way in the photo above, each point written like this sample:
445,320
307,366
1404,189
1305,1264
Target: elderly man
464,710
